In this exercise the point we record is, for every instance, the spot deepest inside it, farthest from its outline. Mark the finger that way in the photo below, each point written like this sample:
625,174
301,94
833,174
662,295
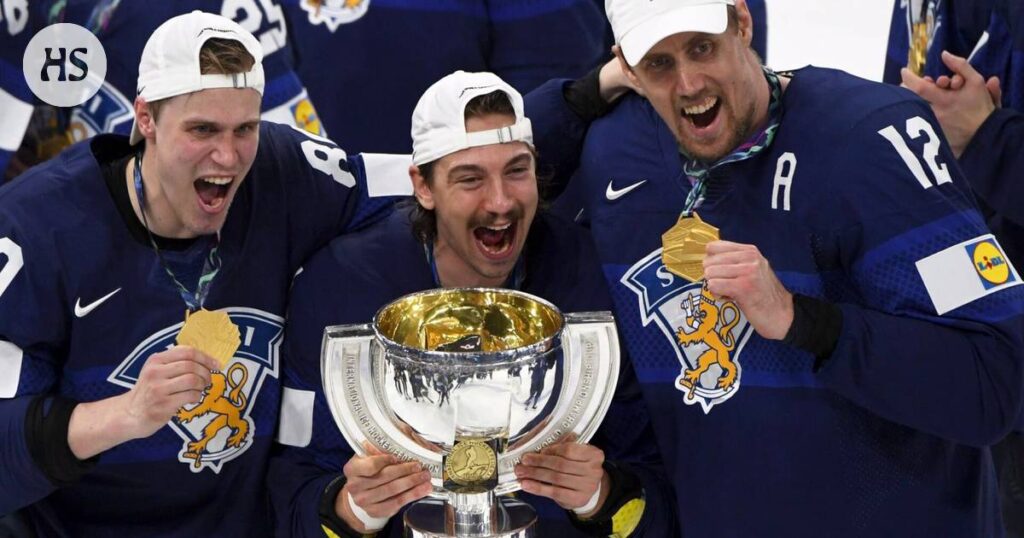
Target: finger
392,488
372,450
912,82
206,360
943,82
721,246
559,464
995,90
574,451
563,496
957,82
179,368
367,466
725,289
735,257
391,506
388,474
959,65
181,399
182,383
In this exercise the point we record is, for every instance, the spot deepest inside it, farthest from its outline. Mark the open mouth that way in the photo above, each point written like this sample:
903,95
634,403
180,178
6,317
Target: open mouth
496,242
703,114
213,192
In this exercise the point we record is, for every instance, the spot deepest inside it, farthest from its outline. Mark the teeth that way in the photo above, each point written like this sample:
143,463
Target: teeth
217,180
701,108
498,228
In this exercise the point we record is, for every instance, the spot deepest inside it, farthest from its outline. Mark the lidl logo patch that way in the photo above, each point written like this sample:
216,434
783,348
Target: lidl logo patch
990,263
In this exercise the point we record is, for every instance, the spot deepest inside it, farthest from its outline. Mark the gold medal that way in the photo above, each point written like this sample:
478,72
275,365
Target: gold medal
212,333
683,247
471,462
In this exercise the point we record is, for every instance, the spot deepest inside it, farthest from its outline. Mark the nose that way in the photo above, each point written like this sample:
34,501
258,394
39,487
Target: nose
689,83
498,199
226,150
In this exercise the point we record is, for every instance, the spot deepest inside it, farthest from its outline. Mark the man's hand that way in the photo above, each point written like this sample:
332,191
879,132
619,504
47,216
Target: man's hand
568,473
169,380
380,486
740,273
961,102
613,81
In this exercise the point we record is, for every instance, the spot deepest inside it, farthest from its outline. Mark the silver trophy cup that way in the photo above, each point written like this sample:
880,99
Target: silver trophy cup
466,381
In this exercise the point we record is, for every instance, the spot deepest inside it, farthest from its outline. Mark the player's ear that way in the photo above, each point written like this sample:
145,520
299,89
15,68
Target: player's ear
420,188
144,118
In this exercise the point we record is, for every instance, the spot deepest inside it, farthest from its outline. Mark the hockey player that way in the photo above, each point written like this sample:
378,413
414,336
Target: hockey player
475,223
109,427
123,27
851,343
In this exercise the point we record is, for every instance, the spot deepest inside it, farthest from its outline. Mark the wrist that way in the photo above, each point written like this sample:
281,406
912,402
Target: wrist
593,507
101,425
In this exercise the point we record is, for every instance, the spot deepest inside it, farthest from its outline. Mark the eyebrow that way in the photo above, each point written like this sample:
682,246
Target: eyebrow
195,123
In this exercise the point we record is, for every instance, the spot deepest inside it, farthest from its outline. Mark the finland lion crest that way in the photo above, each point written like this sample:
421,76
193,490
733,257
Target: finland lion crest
219,428
707,334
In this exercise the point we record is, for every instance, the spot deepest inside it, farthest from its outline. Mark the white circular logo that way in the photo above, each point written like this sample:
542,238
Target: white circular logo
64,64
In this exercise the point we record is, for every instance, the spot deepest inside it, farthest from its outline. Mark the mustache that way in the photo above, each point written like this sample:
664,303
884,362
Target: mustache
491,220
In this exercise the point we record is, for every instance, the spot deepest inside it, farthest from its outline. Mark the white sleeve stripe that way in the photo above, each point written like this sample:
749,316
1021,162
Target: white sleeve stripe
296,424
16,114
387,174
10,369
951,279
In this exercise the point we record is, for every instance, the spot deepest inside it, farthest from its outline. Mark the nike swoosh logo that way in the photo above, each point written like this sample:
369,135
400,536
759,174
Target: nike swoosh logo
613,194
82,311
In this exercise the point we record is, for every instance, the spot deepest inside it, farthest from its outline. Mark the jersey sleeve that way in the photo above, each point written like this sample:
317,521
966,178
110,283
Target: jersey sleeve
311,451
328,191
933,313
33,333
16,100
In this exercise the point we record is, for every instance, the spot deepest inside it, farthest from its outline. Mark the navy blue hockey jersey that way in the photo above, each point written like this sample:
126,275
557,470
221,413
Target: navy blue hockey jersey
367,62
857,202
359,273
83,305
953,25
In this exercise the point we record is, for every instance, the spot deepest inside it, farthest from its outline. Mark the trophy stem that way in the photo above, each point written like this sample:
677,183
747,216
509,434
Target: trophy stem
471,514
487,515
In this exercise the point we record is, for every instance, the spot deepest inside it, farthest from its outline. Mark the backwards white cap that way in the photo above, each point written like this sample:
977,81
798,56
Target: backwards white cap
170,60
439,121
639,24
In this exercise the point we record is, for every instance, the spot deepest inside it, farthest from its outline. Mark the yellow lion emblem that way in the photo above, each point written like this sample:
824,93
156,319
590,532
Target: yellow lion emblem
227,407
704,319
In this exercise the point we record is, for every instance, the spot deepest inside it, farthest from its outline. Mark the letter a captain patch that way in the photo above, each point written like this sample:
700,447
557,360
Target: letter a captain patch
965,272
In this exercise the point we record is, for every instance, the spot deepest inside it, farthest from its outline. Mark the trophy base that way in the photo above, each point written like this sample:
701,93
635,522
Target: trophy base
431,518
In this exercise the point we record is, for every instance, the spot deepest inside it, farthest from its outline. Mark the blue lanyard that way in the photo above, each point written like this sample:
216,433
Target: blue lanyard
513,282
211,266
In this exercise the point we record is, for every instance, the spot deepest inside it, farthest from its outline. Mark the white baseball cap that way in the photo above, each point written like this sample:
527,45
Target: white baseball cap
439,120
170,60
639,24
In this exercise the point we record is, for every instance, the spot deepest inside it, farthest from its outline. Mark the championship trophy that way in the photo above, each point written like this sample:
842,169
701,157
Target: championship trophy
466,381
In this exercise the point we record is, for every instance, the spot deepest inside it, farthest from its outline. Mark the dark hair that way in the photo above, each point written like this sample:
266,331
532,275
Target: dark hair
217,56
424,222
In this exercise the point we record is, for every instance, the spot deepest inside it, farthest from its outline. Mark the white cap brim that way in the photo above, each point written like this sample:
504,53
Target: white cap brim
706,18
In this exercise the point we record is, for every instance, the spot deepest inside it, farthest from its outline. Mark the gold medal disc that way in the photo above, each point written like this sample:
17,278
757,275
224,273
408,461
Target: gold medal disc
212,333
471,462
683,247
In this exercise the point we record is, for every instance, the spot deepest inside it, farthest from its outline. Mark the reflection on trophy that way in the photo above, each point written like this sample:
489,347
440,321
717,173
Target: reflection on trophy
466,381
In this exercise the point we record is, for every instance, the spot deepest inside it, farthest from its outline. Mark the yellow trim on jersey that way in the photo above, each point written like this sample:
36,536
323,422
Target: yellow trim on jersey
627,518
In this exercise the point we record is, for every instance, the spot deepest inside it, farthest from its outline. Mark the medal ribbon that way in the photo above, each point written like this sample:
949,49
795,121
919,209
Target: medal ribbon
211,266
698,172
